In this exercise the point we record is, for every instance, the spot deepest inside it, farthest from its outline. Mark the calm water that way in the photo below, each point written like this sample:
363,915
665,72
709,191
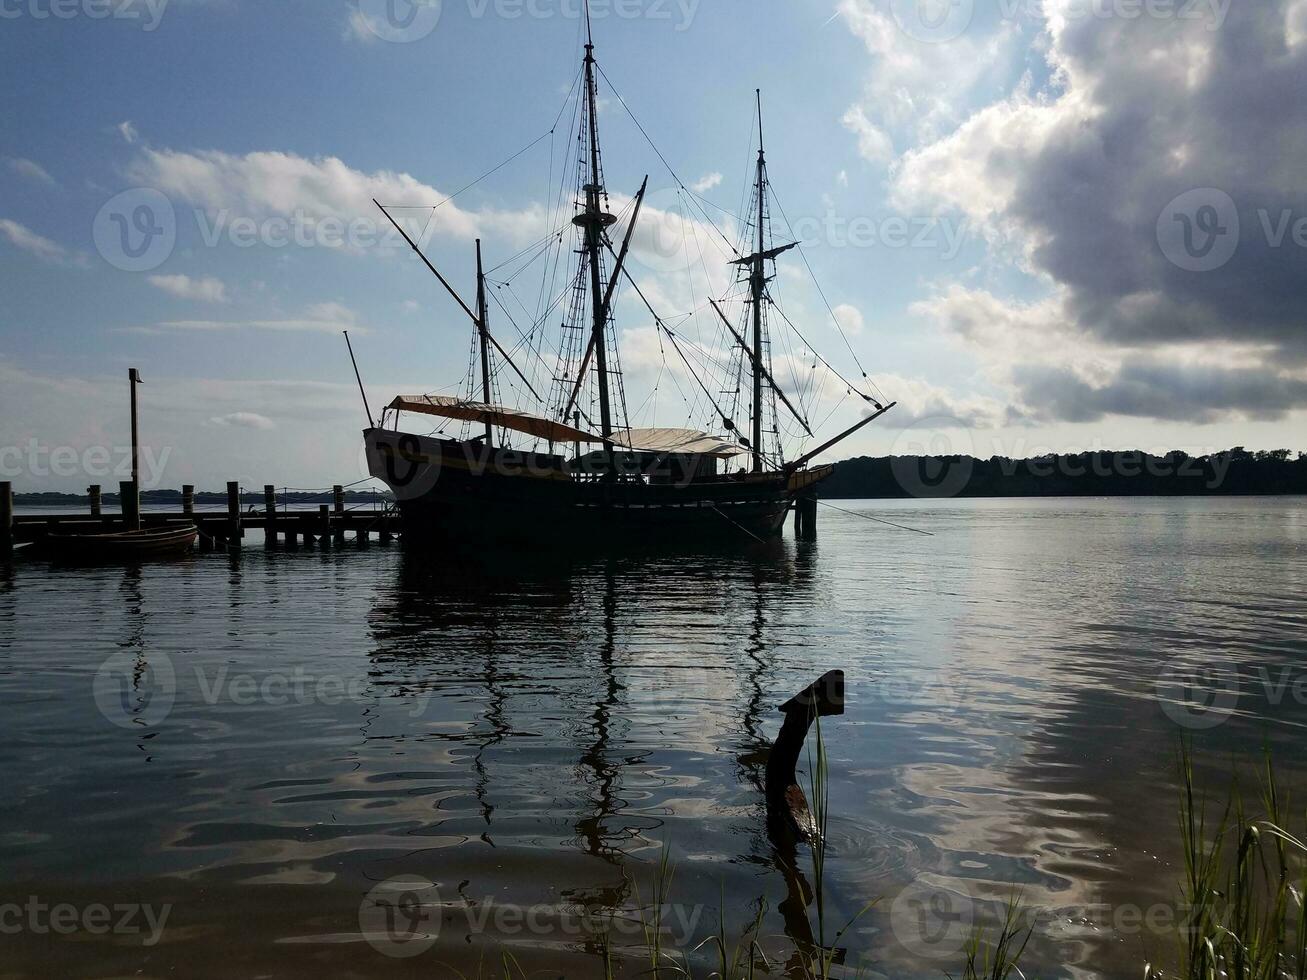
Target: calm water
250,746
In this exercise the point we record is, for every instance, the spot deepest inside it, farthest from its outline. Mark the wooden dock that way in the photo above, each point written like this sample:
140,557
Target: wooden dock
331,525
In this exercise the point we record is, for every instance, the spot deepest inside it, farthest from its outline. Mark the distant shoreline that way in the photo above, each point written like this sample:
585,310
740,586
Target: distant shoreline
1235,472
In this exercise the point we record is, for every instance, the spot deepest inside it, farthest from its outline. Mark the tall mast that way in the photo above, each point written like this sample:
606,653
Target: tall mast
482,330
757,283
594,220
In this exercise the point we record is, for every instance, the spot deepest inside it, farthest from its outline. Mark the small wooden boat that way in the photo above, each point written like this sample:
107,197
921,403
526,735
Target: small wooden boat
155,542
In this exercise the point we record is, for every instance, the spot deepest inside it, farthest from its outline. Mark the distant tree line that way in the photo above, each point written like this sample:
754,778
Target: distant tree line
1134,473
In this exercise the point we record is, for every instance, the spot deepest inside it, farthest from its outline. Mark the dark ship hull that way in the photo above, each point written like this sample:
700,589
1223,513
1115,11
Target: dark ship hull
447,489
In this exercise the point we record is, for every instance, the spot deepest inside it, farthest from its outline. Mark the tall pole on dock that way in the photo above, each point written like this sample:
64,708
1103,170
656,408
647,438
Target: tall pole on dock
134,515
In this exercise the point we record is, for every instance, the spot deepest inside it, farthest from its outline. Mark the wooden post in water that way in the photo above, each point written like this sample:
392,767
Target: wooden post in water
233,517
188,500
130,504
269,515
324,519
787,807
134,520
93,491
338,497
806,518
6,518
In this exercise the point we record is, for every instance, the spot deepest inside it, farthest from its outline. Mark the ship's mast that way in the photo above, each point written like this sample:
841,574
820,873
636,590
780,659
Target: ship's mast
757,283
482,331
594,220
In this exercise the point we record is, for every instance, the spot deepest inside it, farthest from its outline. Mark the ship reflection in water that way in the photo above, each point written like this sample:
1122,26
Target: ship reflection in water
362,763
600,741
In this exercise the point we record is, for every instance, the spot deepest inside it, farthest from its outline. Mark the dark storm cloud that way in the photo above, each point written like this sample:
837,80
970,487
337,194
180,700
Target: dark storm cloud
1160,391
1221,114
1161,186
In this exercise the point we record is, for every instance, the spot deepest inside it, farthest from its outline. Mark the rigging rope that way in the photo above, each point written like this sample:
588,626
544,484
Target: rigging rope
868,517
822,293
676,177
466,187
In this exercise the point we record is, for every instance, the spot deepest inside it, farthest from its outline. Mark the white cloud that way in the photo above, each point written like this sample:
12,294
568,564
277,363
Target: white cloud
1295,24
706,183
20,236
207,289
873,143
920,400
917,89
319,318
243,420
850,319
127,131
30,169
265,184
332,312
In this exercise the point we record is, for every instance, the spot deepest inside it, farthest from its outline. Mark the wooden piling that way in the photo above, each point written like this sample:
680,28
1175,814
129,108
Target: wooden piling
6,518
188,499
806,518
93,491
338,500
130,498
233,517
324,523
269,514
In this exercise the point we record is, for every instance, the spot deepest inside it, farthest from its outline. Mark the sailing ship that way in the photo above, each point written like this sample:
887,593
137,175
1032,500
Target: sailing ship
522,474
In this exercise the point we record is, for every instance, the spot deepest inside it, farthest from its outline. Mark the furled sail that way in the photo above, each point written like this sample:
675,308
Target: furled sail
669,441
506,418
676,441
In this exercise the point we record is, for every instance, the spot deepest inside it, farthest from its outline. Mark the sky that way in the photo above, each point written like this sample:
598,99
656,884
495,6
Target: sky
1041,226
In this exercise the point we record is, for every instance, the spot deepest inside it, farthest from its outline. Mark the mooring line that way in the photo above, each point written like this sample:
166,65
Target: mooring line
854,513
740,526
